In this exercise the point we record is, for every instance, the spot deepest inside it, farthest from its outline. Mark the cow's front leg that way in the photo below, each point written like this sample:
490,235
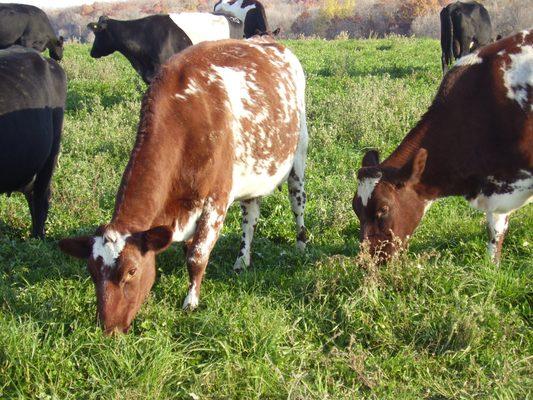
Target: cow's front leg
497,225
250,216
206,234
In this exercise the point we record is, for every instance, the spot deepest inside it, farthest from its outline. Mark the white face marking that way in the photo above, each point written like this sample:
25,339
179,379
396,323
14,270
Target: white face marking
234,9
470,59
503,203
366,188
185,232
201,27
518,77
192,300
109,246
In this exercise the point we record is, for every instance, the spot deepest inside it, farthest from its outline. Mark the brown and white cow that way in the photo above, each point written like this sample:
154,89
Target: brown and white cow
475,141
222,121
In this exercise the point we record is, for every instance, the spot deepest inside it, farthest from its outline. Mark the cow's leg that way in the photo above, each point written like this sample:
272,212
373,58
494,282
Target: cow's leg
497,226
250,216
206,234
29,198
298,199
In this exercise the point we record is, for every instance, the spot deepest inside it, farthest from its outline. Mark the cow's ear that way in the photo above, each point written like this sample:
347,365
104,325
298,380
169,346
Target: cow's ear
371,159
499,37
93,26
79,247
419,164
156,239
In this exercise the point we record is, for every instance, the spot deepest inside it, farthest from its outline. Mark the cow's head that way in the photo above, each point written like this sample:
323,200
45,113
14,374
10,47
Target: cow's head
122,267
55,48
387,203
103,44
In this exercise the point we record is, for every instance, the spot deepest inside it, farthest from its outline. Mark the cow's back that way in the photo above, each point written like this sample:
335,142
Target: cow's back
20,20
32,98
241,104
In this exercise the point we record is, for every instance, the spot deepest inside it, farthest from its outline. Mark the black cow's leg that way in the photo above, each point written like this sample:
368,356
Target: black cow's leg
41,204
41,187
29,198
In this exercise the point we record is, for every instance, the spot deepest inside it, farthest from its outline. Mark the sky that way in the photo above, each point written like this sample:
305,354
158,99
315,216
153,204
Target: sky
53,3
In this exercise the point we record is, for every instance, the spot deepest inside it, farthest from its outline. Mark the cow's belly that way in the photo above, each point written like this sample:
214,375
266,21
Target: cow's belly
504,197
249,181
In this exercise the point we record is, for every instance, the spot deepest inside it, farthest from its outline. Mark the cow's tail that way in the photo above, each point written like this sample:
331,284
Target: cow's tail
446,38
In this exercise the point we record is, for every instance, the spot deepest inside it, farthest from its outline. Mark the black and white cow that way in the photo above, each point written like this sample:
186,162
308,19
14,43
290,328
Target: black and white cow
250,12
28,26
148,42
465,27
32,101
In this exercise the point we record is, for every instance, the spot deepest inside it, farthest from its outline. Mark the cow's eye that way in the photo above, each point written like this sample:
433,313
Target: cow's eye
132,272
382,212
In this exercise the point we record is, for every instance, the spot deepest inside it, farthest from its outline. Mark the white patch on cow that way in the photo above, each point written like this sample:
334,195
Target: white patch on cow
192,300
191,89
470,59
184,232
497,224
366,188
201,27
214,218
109,246
501,52
518,77
236,9
427,206
521,193
236,87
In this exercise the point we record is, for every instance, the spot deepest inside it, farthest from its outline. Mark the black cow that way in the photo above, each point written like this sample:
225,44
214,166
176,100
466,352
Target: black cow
148,42
465,27
32,101
28,26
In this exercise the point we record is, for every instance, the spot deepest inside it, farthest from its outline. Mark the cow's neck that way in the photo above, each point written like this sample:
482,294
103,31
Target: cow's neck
142,200
440,177
123,33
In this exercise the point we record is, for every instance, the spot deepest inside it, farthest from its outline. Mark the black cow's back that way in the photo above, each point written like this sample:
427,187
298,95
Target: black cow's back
24,25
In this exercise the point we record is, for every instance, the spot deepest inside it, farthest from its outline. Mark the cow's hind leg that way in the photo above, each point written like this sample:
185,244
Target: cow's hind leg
497,226
298,199
206,234
250,216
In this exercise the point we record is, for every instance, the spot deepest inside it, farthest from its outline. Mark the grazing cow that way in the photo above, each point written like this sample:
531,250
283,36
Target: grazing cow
475,141
465,27
28,26
148,42
32,101
222,121
251,12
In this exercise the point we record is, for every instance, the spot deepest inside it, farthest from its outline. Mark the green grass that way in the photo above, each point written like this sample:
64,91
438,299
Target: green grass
440,322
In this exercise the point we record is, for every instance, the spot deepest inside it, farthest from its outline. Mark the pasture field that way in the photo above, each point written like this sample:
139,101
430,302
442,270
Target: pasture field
440,322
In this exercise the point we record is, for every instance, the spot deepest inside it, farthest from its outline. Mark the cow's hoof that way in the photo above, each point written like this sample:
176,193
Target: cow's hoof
240,266
191,301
